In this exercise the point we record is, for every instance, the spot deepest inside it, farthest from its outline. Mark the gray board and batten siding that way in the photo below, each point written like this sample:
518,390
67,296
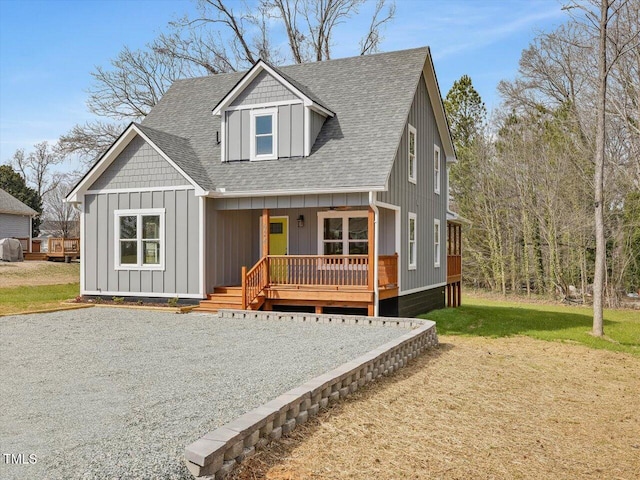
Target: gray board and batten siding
18,226
265,89
139,165
290,132
420,198
181,266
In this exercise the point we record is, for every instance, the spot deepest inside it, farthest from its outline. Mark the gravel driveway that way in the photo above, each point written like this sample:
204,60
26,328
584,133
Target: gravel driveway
115,393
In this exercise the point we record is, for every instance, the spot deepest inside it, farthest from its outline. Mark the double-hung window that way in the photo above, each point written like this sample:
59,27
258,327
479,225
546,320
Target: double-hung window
436,169
343,233
411,149
413,244
264,136
436,242
139,239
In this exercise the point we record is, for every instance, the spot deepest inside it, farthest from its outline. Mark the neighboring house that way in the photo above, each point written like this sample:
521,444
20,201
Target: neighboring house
327,181
16,219
60,228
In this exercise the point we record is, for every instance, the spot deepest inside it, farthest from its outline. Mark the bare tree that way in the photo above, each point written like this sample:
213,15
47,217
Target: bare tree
602,17
223,37
371,42
88,141
61,217
35,167
135,82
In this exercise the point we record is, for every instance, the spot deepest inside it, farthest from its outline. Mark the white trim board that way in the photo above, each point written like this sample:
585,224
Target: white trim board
139,189
202,214
263,105
421,289
222,193
83,235
141,294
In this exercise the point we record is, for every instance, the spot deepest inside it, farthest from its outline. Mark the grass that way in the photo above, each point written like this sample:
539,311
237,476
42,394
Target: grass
494,318
475,407
32,298
38,273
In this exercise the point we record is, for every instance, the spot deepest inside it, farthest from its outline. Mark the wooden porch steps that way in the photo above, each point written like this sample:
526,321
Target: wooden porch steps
222,297
35,256
225,297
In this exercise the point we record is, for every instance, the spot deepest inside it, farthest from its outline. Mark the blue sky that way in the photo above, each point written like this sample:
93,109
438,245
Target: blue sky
48,49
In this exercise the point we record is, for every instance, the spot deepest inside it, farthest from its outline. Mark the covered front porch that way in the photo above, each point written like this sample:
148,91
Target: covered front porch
307,258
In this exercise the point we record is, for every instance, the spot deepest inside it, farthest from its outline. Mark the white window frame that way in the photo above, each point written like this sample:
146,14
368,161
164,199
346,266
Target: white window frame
346,215
263,112
436,242
139,213
412,130
413,244
436,169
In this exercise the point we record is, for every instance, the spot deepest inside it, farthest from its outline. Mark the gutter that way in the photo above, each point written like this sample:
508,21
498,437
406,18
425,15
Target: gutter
376,229
223,193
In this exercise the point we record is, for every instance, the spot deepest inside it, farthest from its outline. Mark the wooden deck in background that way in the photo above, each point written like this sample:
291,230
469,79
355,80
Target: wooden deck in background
57,248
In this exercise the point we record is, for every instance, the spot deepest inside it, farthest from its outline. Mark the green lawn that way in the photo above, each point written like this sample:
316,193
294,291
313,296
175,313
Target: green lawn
31,298
498,318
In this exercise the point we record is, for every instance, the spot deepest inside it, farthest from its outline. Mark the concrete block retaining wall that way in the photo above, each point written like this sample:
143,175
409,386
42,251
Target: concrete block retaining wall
216,454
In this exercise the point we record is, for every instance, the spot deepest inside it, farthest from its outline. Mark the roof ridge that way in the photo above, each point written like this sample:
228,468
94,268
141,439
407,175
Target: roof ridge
280,67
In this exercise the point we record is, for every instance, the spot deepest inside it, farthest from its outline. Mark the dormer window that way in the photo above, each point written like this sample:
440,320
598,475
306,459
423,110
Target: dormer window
264,138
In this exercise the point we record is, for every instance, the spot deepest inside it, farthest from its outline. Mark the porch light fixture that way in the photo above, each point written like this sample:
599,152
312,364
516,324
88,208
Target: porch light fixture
300,221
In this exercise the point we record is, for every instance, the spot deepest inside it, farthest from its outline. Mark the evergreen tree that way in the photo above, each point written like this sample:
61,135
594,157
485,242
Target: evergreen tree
12,183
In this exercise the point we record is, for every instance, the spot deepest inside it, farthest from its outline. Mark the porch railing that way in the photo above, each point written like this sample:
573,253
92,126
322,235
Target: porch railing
63,246
254,281
318,270
454,265
315,271
388,270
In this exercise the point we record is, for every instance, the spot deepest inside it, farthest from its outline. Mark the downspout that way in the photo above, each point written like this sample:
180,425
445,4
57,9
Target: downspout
376,287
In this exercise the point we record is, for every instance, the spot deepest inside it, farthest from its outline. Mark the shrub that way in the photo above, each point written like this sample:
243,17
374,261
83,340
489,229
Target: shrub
118,300
173,302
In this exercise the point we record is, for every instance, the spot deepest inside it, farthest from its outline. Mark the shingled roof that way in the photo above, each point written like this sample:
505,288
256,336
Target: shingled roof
370,95
10,204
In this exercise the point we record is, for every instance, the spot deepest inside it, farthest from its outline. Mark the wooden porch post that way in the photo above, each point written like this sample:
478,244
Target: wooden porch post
243,276
265,242
372,252
265,232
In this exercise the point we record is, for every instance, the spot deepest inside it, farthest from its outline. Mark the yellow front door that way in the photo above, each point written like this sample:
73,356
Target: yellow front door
278,240
278,235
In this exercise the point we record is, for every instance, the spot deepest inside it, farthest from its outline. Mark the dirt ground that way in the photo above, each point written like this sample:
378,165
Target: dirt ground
476,408
17,274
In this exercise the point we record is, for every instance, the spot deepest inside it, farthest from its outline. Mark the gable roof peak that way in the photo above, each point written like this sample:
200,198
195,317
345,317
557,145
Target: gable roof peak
298,89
